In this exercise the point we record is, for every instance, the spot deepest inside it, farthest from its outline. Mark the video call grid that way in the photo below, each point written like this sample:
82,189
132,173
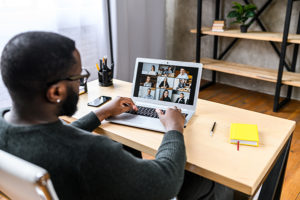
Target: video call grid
165,83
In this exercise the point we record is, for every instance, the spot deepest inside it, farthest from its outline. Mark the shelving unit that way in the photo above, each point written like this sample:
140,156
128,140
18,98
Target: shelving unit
265,74
280,77
252,35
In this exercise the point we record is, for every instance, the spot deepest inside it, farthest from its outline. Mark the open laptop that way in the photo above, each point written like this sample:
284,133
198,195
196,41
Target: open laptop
161,84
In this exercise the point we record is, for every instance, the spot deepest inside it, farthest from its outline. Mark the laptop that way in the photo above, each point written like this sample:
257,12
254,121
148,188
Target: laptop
161,84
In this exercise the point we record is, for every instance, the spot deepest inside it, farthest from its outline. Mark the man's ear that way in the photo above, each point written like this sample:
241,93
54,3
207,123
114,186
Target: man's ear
56,93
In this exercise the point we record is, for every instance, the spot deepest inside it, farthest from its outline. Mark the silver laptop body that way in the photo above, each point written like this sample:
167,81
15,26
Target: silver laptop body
182,86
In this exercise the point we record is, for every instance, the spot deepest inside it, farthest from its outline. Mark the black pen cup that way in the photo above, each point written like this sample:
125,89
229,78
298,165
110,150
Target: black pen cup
105,77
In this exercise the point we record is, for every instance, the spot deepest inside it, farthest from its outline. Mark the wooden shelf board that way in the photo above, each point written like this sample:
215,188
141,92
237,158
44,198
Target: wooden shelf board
254,35
265,74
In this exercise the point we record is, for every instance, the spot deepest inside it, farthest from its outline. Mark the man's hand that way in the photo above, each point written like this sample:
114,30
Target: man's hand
115,107
172,119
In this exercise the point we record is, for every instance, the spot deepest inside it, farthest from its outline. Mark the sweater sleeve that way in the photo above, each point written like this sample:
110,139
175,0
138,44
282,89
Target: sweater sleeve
110,172
88,122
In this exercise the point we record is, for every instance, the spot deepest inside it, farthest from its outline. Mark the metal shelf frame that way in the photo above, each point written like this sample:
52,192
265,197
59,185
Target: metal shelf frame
282,54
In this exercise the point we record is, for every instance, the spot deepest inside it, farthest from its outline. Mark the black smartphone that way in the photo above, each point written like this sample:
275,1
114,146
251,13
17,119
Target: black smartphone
99,101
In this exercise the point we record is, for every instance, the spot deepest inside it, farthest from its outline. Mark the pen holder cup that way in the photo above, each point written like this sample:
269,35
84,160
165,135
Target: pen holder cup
105,78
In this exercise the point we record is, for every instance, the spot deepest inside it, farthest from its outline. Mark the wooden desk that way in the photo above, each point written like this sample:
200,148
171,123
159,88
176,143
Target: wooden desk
211,157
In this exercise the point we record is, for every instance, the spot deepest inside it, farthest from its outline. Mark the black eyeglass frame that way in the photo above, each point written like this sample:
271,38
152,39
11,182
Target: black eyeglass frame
74,78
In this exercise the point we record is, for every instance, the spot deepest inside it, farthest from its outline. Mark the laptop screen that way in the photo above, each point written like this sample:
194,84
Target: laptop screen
168,83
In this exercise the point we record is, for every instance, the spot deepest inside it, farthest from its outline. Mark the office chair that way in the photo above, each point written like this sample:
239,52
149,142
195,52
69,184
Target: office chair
20,179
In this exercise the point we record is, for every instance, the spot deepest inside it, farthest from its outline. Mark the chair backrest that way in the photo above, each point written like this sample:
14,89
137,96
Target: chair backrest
20,179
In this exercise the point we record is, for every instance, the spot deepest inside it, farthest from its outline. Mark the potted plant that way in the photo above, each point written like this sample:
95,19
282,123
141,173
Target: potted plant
242,13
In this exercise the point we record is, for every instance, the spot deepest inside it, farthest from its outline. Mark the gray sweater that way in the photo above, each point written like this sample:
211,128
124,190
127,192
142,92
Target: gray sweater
83,165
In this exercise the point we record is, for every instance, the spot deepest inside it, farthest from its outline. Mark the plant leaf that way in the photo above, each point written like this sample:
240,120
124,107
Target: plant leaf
233,14
244,19
238,7
250,14
250,7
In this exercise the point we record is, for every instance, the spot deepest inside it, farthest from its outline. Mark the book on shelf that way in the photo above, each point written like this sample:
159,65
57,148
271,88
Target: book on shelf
245,134
218,26
219,22
217,29
214,30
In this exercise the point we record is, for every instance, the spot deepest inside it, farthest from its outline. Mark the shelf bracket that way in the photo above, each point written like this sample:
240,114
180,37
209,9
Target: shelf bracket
263,28
277,105
198,37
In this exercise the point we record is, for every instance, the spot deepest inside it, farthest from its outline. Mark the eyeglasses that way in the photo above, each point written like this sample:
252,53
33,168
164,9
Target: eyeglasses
83,77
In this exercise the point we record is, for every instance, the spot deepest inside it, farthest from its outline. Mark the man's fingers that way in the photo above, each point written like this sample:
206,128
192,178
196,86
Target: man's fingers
159,112
126,108
177,108
128,102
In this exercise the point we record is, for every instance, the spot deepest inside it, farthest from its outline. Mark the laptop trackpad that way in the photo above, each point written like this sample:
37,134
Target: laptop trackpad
138,121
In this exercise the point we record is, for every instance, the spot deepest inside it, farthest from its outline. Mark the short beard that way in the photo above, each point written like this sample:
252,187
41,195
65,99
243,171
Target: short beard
69,105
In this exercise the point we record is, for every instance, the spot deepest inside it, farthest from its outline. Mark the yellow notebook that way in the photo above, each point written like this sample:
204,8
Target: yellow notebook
246,134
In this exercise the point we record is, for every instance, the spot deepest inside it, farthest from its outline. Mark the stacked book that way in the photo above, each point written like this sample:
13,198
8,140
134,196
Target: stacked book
218,26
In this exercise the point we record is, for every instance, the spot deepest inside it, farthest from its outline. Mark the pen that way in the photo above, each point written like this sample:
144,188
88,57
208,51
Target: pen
101,65
105,60
238,145
212,129
97,67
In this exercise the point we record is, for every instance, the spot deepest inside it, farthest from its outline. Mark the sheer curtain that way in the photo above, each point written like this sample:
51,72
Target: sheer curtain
138,28
85,21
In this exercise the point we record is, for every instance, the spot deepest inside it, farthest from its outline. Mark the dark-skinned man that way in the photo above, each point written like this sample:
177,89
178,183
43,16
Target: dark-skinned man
42,72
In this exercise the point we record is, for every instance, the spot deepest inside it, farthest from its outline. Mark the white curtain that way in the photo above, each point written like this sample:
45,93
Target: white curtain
85,21
138,28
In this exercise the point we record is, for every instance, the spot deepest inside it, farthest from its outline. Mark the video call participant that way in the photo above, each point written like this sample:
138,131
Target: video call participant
164,83
186,83
182,74
167,71
181,84
165,96
180,99
152,72
148,96
148,82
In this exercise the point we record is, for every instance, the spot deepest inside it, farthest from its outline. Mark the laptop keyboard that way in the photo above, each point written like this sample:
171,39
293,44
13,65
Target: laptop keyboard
145,111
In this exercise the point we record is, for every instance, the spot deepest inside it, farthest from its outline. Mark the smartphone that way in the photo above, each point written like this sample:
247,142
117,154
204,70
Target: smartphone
99,101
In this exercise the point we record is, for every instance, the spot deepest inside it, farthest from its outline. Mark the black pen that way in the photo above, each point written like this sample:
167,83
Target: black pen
212,129
101,65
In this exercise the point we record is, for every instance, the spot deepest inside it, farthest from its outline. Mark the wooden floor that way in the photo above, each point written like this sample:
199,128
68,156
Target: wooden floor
263,103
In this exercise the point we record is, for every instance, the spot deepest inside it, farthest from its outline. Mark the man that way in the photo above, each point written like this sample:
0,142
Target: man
182,74
166,72
42,71
180,99
148,96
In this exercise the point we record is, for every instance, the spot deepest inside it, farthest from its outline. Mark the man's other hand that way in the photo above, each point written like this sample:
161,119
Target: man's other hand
172,119
115,107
